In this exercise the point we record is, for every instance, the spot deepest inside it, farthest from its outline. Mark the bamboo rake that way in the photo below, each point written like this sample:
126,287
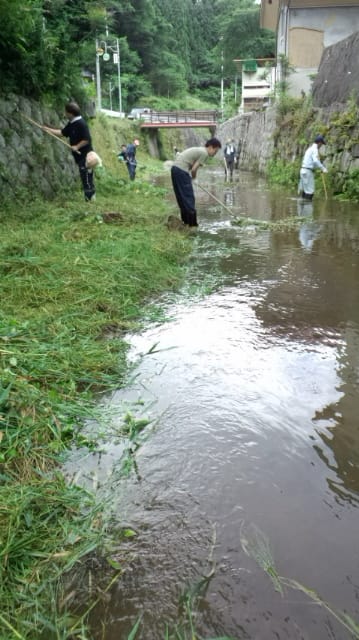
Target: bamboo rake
40,126
214,198
325,187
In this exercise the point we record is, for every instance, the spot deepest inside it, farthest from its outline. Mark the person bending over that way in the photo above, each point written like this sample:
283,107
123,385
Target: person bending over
183,171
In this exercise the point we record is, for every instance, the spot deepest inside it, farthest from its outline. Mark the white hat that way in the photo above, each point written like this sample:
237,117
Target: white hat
93,160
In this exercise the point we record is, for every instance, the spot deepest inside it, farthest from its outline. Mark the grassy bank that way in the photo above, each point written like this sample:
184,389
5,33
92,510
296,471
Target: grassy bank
74,278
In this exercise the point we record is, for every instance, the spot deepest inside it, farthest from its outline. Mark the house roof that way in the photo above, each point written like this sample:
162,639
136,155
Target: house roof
270,8
261,62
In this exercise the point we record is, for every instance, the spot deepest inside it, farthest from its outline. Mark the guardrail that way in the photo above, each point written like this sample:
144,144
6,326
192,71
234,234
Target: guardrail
180,118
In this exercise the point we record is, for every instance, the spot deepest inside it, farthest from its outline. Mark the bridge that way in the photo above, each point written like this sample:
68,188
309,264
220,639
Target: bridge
184,118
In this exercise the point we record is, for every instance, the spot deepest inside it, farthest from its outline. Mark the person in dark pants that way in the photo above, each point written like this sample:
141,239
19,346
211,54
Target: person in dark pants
131,158
229,154
183,171
79,136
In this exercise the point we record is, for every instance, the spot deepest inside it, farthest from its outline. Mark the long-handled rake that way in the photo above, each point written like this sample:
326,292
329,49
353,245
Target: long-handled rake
214,198
325,187
40,126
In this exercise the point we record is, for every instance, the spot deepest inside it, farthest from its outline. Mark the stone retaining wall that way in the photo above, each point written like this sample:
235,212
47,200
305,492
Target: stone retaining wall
29,158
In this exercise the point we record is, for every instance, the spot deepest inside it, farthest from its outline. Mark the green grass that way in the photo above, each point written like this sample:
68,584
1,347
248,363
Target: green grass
74,278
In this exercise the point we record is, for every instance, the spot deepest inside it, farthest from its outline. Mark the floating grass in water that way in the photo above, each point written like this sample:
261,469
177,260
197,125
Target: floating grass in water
280,225
256,545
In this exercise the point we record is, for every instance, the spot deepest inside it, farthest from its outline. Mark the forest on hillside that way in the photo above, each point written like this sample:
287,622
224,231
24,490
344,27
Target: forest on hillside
168,49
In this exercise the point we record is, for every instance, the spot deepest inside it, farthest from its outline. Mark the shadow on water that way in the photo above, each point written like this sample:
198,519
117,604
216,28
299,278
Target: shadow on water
251,388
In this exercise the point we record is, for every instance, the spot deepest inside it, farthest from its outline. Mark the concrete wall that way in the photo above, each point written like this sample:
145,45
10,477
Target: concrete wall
253,134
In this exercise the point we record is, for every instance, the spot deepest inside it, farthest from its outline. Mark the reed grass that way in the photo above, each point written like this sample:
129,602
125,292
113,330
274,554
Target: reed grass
256,545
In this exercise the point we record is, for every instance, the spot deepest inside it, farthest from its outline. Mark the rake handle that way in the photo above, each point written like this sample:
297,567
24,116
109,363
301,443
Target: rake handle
214,198
325,187
40,126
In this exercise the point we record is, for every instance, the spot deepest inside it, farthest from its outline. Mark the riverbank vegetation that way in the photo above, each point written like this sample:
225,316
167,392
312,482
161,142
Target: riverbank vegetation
74,277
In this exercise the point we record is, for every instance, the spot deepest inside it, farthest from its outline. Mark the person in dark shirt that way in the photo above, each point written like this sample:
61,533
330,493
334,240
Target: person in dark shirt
131,158
78,133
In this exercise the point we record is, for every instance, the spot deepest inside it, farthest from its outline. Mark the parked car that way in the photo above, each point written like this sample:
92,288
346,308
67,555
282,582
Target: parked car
138,112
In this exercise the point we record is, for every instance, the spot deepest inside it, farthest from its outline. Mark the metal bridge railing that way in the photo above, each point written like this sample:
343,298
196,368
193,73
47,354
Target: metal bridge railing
180,117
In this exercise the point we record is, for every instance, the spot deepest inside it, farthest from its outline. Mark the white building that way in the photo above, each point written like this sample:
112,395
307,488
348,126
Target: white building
258,81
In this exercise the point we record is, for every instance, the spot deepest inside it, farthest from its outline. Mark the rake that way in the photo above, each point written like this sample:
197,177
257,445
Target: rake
40,126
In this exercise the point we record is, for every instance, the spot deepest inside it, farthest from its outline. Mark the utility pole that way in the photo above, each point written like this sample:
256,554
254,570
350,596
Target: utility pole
98,76
102,49
222,81
117,60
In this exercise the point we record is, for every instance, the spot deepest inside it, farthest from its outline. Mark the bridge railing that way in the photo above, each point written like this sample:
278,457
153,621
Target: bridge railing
180,116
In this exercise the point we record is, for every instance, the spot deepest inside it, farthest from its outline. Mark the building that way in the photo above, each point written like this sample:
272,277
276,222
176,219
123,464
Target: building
304,28
258,82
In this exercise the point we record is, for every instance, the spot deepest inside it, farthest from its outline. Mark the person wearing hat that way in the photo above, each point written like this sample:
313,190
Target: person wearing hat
131,158
310,162
229,154
79,136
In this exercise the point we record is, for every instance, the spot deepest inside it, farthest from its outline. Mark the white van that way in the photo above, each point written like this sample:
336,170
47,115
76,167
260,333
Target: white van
137,112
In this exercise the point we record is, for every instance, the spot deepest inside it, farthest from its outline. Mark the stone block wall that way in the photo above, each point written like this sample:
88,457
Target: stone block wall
29,158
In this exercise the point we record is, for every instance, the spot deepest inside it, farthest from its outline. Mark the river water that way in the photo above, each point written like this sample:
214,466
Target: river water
250,463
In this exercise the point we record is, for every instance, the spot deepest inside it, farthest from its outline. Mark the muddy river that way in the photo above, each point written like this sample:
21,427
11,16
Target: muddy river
245,487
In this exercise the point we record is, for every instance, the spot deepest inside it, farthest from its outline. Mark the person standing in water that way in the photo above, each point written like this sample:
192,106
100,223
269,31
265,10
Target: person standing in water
310,162
183,171
229,154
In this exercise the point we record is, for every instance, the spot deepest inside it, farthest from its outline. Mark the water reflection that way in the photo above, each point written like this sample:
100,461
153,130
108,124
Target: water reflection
308,231
252,389
337,425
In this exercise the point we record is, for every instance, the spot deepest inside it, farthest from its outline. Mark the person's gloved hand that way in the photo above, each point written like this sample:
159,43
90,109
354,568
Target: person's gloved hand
325,170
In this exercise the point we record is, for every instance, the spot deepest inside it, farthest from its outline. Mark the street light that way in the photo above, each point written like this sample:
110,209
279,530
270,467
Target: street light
102,50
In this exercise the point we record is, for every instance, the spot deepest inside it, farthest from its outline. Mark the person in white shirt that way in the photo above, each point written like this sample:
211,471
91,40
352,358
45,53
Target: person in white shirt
310,162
